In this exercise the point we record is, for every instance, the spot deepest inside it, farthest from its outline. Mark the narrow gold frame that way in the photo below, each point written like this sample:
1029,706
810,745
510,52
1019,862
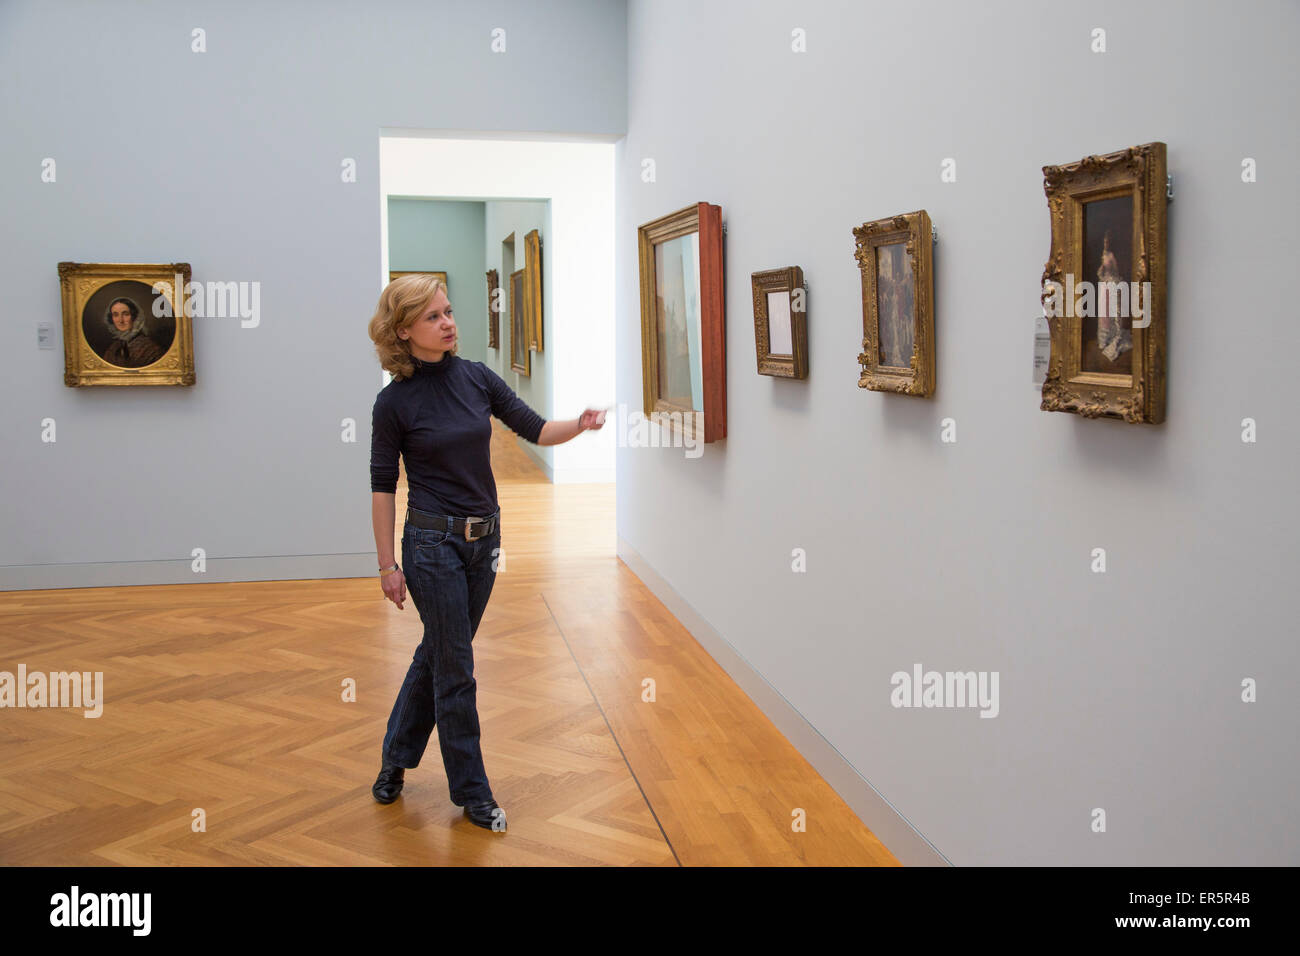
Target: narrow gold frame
533,284
494,317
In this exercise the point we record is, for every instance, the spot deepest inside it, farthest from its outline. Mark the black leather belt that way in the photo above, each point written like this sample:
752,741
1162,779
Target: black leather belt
471,528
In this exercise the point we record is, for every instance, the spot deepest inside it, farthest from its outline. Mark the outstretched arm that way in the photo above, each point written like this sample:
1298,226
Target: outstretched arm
557,433
526,423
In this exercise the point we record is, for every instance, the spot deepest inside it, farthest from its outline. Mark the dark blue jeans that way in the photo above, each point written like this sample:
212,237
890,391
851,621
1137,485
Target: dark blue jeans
449,580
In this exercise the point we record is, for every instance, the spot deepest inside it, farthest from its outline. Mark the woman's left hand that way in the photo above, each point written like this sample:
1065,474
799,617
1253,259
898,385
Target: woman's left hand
592,419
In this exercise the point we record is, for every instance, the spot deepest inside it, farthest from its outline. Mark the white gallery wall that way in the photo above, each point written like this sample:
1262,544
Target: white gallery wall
235,160
1119,691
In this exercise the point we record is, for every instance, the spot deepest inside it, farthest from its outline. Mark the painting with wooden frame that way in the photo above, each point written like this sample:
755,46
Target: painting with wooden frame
896,259
1104,286
122,324
533,284
781,322
494,309
520,356
683,332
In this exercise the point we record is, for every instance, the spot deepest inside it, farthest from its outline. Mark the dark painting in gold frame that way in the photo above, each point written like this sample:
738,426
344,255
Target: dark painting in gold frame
896,261
781,322
494,309
520,356
1104,290
122,324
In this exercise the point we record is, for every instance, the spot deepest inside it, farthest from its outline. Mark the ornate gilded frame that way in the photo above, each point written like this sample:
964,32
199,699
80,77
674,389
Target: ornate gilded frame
79,281
1139,397
494,314
914,230
705,219
533,285
783,365
520,357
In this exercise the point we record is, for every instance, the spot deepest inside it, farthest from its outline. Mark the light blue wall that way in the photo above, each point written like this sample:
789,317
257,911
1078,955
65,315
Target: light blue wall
231,160
446,236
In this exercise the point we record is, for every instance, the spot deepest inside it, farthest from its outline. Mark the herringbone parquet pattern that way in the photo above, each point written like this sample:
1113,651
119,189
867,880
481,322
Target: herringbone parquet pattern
228,701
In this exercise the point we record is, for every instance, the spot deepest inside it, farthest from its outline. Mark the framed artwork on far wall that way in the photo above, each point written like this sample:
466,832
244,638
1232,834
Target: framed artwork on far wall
1104,286
683,331
424,272
781,322
520,356
494,309
895,257
533,285
122,324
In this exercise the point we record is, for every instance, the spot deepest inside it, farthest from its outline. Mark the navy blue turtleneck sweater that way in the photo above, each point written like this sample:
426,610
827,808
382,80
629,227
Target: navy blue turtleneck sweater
438,419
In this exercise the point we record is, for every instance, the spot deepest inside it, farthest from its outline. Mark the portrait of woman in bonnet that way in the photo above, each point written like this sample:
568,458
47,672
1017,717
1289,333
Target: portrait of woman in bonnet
130,345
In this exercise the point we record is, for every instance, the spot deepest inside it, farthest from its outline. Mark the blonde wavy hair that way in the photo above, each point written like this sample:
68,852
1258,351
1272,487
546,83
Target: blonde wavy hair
403,301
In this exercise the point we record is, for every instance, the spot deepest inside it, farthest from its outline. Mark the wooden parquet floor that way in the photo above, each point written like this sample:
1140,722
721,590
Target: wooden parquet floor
227,701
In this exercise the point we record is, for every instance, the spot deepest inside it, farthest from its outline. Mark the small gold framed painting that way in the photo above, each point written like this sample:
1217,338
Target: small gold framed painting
781,322
121,324
896,261
1104,286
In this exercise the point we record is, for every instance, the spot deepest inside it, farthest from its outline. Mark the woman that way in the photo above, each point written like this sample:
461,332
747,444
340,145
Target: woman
130,346
435,413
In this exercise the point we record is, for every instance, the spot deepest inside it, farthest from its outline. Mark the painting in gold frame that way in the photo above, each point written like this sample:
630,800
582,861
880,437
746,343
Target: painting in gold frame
533,287
781,322
122,326
494,309
896,260
683,321
520,356
1104,286
424,272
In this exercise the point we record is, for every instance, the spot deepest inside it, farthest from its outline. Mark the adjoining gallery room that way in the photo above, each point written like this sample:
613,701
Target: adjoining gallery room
592,433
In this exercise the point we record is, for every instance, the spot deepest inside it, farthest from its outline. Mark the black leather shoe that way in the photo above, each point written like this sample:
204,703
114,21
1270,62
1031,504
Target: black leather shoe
388,785
488,815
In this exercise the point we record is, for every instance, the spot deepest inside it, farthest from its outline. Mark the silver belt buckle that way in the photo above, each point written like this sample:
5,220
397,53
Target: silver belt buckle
468,521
